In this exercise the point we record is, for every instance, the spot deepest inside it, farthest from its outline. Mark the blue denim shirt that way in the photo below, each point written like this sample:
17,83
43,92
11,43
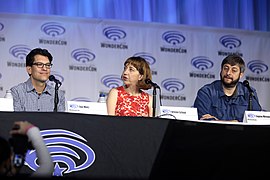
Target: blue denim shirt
25,98
212,100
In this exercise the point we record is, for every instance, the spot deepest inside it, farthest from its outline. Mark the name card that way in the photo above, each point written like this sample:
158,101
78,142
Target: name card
257,117
86,107
6,104
179,113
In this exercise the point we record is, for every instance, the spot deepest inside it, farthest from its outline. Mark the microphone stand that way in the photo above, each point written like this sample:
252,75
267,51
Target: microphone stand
154,100
250,101
56,98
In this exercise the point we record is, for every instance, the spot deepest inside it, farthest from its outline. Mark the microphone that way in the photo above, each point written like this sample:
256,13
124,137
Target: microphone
148,81
246,83
52,78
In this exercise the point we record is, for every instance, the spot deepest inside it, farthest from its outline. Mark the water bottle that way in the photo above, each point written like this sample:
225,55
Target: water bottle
101,98
8,94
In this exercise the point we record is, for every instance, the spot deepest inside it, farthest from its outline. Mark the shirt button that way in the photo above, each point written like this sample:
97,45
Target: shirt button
38,109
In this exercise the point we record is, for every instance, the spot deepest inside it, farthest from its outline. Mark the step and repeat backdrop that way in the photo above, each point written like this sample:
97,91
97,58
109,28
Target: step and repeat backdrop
88,54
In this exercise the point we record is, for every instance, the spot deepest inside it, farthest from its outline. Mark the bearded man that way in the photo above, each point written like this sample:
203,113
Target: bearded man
227,99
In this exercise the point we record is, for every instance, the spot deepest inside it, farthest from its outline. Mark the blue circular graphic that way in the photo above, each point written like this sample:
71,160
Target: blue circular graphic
257,66
172,85
53,29
19,51
202,63
230,41
111,81
173,37
114,33
82,55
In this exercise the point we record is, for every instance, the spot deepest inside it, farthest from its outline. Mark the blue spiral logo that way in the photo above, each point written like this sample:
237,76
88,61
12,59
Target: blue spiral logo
173,37
230,41
53,29
114,33
150,59
202,63
250,115
111,81
68,150
82,55
1,26
19,51
166,111
172,85
257,66
83,99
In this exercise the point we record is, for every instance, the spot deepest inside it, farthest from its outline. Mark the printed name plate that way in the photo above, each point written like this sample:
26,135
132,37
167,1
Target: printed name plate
6,104
86,107
257,117
180,113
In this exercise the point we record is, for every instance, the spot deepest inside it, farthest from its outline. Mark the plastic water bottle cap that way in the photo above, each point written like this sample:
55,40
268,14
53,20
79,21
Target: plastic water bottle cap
8,94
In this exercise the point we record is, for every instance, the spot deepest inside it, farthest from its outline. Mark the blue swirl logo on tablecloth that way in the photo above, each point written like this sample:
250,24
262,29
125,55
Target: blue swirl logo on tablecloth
173,37
19,51
257,66
68,150
150,59
53,29
172,85
202,63
230,41
1,26
114,33
83,55
111,81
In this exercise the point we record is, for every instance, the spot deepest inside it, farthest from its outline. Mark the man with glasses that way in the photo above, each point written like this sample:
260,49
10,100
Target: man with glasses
226,99
35,94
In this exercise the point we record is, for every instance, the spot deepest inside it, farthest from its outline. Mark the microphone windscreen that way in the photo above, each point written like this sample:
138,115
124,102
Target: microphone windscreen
147,81
246,83
51,78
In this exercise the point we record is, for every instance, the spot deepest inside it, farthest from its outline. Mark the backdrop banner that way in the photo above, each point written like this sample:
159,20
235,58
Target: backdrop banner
88,54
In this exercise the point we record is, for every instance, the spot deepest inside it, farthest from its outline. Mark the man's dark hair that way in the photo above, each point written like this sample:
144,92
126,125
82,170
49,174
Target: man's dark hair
30,57
233,60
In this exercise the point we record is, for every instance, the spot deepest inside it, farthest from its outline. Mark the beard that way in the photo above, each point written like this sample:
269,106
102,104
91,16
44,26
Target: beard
231,84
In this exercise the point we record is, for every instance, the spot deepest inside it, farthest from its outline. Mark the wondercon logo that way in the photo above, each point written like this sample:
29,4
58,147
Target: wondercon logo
111,81
114,33
68,150
173,37
257,66
150,59
172,85
166,111
230,41
1,26
251,115
19,51
82,55
53,29
202,63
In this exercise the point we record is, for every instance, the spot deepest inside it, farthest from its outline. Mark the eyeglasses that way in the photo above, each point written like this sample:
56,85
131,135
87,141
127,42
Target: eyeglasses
41,65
